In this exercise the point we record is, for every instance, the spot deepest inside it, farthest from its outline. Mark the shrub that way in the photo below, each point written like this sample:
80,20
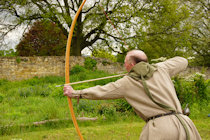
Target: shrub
123,106
55,91
103,53
88,106
106,109
191,90
201,87
77,69
90,63
42,36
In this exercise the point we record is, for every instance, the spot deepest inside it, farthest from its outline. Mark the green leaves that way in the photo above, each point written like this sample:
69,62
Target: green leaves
90,63
44,38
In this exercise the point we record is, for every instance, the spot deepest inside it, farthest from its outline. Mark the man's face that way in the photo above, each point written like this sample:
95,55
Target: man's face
128,65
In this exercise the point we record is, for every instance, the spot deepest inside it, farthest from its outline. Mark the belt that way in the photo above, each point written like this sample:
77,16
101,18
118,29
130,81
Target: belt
161,115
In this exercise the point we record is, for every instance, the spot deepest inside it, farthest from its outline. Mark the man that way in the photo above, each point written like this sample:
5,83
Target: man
150,91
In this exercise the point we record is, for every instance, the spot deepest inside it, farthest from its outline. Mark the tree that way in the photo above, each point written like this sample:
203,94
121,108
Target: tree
130,17
164,31
91,24
200,33
43,39
160,28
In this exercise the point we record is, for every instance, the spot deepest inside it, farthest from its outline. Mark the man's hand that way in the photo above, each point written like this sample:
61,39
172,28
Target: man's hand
68,90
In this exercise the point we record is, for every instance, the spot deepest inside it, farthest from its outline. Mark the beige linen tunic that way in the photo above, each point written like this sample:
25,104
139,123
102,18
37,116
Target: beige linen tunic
162,90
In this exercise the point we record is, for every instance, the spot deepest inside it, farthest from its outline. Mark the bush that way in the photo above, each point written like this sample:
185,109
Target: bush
42,36
103,53
107,109
77,69
123,106
90,63
193,89
201,87
56,91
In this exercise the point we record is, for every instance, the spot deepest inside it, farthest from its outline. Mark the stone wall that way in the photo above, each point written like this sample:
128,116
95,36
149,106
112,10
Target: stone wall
19,68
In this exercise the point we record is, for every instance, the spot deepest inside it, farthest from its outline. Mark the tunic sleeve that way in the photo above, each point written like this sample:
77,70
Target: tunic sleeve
174,65
113,90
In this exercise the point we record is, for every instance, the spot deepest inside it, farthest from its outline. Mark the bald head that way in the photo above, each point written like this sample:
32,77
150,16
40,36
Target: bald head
133,57
136,56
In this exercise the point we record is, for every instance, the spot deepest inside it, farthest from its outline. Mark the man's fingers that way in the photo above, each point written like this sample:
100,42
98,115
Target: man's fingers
67,90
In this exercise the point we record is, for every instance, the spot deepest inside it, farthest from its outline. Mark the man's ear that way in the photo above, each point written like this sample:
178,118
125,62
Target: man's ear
132,64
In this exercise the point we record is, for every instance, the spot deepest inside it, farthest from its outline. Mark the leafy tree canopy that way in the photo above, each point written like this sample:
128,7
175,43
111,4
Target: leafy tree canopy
200,33
160,28
43,39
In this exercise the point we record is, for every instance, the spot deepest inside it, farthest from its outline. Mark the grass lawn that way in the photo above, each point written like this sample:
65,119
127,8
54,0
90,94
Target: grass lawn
110,131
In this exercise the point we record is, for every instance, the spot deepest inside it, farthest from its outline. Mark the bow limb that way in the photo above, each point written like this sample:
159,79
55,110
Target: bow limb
67,77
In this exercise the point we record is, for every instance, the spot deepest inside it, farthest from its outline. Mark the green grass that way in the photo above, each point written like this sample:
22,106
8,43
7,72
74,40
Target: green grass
118,131
203,127
39,99
127,130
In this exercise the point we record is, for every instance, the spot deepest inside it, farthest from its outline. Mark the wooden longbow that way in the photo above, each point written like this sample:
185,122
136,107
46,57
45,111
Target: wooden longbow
67,76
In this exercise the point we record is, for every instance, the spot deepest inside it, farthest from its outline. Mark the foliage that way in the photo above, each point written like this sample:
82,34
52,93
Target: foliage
160,28
9,52
18,60
167,32
77,69
108,110
121,58
123,106
200,33
90,63
192,90
102,53
44,38
91,24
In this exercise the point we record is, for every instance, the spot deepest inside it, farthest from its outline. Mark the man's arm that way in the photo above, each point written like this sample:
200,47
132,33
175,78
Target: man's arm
174,65
113,90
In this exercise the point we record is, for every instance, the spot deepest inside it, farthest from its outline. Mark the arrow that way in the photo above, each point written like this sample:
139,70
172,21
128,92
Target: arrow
91,80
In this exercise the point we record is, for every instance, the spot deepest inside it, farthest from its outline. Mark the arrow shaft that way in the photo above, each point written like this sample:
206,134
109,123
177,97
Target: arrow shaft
92,80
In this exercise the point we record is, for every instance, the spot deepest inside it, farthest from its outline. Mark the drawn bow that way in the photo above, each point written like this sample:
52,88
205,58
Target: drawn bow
67,76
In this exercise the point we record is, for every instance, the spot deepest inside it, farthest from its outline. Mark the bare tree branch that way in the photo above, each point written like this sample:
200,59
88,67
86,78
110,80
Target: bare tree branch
60,7
10,28
91,7
77,2
53,18
107,43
